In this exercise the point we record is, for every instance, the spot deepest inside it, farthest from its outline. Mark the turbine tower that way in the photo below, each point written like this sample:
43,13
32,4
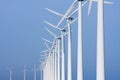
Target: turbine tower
24,72
69,49
34,72
41,71
79,52
10,72
100,43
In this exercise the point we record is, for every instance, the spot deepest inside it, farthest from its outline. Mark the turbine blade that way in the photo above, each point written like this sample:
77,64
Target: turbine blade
50,32
73,12
47,40
68,11
74,20
44,51
53,26
66,34
106,2
43,56
49,24
90,6
85,3
54,12
46,45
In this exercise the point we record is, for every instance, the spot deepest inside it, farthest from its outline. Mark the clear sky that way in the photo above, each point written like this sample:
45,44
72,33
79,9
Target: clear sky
22,27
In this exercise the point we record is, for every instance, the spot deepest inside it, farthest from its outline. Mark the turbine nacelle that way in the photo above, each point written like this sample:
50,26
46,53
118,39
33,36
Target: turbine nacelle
70,18
81,0
63,30
59,38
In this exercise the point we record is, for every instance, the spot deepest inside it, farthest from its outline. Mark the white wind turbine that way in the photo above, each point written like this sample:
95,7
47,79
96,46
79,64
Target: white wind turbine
34,70
41,72
100,71
10,72
24,72
100,43
58,52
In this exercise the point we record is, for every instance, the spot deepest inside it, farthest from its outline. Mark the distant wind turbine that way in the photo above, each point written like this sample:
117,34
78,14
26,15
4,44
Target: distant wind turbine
10,72
35,72
24,72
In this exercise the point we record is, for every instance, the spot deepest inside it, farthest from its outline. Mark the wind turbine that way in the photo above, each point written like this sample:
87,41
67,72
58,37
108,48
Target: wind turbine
100,70
34,70
41,73
100,42
10,72
24,71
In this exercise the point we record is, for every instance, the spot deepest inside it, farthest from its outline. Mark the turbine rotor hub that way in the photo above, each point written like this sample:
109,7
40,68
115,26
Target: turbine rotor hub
59,38
63,30
70,18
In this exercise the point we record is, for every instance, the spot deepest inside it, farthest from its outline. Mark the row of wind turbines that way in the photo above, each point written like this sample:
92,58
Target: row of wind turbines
53,59
25,70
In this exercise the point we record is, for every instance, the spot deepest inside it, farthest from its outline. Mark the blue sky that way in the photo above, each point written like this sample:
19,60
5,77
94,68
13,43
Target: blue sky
22,27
